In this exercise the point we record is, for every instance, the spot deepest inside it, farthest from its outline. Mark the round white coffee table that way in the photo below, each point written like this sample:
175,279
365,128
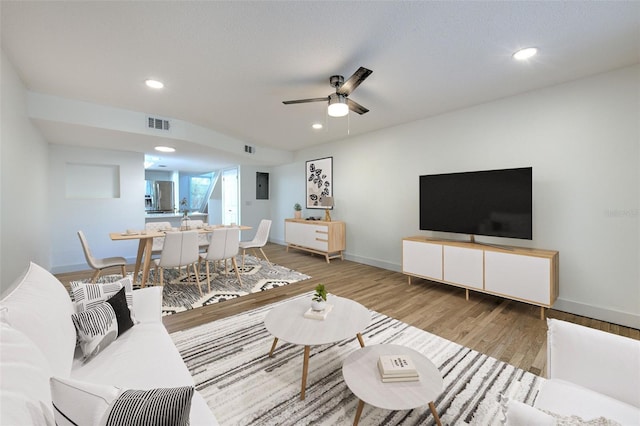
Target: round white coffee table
287,322
360,371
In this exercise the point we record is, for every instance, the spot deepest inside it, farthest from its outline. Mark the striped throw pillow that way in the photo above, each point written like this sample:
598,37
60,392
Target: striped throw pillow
84,403
101,325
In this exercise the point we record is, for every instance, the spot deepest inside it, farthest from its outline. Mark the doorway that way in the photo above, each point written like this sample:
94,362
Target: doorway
230,213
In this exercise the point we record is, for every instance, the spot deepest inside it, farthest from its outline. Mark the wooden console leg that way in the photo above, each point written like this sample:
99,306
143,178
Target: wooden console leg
305,369
358,412
359,336
409,278
542,313
273,347
466,293
432,407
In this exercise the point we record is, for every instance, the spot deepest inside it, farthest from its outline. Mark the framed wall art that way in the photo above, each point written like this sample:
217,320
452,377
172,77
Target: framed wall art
319,176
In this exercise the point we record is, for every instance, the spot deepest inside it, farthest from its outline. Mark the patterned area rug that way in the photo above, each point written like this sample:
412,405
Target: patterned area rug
181,291
243,386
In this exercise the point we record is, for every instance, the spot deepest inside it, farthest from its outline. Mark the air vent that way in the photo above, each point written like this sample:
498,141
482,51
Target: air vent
249,149
157,123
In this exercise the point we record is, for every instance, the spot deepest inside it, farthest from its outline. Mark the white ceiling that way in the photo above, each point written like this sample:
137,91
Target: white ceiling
228,66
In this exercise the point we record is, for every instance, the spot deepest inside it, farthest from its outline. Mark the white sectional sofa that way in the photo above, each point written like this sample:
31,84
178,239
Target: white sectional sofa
591,374
38,341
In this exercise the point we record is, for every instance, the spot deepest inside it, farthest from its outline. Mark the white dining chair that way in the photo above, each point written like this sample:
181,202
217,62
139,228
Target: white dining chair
157,241
203,237
259,241
224,245
100,264
180,249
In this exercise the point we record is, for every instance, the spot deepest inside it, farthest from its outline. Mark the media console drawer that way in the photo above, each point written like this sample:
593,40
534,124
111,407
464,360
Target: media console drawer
527,275
320,237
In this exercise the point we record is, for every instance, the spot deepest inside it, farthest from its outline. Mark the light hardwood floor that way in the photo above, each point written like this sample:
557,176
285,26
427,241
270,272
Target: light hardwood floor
510,331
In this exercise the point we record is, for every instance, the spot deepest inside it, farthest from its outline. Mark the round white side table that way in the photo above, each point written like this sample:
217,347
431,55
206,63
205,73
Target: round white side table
360,371
346,319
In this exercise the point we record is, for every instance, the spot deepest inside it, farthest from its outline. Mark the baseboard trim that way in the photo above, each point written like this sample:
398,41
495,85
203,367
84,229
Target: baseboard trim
609,315
63,269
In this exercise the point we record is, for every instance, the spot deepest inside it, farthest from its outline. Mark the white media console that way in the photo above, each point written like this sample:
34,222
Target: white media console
527,275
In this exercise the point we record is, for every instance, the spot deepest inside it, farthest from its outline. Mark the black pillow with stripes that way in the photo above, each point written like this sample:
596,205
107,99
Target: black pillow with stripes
101,325
155,407
84,403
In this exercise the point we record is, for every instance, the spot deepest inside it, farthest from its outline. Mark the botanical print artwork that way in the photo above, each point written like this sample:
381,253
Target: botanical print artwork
319,181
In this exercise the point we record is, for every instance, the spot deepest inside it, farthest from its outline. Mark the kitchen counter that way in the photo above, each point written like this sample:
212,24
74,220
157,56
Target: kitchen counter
174,219
199,216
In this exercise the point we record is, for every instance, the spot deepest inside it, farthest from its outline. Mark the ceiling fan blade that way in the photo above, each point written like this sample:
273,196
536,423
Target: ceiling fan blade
354,81
356,107
304,101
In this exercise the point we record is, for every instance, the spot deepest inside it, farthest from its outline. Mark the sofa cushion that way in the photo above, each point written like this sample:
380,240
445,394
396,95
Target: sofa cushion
102,324
567,399
87,295
25,398
40,307
83,403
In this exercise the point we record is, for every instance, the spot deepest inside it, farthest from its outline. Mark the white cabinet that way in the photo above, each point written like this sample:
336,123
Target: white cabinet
528,275
527,278
422,259
325,238
463,266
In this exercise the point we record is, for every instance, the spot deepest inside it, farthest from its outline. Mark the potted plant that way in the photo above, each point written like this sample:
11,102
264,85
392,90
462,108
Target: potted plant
185,211
319,299
297,210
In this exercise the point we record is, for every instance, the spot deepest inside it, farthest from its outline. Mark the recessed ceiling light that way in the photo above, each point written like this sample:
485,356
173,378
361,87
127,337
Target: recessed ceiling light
165,149
155,84
525,53
316,126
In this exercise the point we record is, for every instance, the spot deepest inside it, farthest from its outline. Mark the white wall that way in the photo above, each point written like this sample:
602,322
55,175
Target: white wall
582,139
96,217
23,188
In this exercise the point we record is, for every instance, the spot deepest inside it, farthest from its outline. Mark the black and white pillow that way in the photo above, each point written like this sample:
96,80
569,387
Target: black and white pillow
81,403
101,325
88,295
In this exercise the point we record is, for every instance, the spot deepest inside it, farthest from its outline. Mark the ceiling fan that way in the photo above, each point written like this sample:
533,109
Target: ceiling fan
339,103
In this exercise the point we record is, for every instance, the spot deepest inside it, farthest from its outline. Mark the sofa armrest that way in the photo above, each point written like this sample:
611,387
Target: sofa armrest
147,304
597,360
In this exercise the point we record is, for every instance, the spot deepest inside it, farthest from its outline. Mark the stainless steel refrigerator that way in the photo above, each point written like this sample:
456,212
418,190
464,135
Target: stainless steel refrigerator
163,200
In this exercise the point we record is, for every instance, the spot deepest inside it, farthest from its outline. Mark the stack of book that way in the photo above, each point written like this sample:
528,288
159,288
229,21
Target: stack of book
318,315
397,368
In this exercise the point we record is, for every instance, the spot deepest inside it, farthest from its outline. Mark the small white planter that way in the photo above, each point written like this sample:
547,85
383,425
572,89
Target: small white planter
318,306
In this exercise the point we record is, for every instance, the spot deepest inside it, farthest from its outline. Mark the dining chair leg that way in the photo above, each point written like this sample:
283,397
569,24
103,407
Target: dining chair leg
162,276
235,266
206,265
197,279
95,276
244,251
124,271
265,257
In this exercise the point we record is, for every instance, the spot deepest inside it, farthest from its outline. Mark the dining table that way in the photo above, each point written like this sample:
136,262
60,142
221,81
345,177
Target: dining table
145,244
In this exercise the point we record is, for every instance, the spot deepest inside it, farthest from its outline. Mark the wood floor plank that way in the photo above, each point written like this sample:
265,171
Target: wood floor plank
505,329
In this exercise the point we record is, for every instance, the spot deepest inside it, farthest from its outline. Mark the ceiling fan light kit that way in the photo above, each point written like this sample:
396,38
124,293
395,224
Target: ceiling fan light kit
337,105
338,102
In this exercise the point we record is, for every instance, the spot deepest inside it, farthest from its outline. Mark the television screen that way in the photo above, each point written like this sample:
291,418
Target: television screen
490,202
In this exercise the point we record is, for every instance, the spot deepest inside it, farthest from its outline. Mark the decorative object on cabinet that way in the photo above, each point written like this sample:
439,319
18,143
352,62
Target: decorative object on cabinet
327,203
320,237
524,274
319,175
297,210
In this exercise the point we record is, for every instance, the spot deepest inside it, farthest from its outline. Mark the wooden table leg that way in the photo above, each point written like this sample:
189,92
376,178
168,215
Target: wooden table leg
305,369
273,347
359,336
358,412
147,260
141,246
432,407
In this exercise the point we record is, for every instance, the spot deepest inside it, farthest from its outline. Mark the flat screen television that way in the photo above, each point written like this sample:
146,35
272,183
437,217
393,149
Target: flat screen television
496,203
